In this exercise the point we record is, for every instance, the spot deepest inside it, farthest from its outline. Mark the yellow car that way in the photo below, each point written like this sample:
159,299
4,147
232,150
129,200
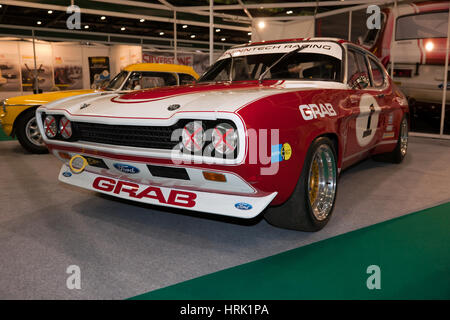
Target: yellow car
17,114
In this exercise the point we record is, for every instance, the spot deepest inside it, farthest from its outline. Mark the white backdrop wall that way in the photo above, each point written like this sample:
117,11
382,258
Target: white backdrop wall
17,60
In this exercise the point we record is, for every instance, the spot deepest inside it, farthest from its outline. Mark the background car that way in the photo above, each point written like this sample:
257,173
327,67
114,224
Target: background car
17,114
418,49
269,124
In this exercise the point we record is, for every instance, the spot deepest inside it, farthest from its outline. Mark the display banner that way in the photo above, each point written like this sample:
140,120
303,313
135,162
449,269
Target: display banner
166,57
43,66
99,71
197,61
9,67
68,69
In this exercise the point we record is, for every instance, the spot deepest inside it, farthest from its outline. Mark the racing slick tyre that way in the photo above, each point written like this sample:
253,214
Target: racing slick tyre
401,148
311,204
28,134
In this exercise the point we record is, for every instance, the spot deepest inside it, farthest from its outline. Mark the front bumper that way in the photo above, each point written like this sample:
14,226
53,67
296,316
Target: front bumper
233,205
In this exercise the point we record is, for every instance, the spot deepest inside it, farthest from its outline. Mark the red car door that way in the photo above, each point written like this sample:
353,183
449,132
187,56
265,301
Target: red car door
366,109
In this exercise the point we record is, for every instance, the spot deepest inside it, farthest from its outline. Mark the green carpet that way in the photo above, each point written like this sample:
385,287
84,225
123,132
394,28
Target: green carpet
412,251
3,136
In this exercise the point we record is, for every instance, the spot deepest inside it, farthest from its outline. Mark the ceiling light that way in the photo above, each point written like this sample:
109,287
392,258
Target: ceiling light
161,33
86,27
185,26
142,20
192,36
39,22
217,30
1,6
223,39
50,11
123,28
261,24
102,18
249,33
289,12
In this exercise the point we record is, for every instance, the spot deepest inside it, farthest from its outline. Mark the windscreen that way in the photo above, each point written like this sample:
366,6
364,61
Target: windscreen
117,81
298,66
306,60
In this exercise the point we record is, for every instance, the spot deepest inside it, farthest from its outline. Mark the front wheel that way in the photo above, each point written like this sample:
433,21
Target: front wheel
28,134
311,204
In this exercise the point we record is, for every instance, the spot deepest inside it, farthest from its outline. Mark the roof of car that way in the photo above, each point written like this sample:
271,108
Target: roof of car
162,67
292,40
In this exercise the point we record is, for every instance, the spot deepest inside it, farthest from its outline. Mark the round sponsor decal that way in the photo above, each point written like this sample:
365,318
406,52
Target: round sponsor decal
67,174
286,151
78,163
126,168
367,120
243,206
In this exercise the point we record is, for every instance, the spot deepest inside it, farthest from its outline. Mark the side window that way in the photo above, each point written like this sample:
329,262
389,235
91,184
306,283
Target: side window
377,73
145,80
352,67
186,78
357,71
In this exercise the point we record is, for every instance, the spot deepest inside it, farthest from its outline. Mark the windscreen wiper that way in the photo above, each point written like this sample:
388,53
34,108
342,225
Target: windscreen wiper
286,55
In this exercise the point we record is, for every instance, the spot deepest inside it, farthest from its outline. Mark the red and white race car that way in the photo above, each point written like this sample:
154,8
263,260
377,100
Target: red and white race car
269,125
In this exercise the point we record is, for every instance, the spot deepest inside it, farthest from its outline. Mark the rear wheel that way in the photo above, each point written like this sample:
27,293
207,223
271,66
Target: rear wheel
310,206
28,134
401,148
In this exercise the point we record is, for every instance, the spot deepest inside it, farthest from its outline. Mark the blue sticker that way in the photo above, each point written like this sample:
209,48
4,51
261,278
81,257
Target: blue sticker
243,206
126,168
276,153
67,174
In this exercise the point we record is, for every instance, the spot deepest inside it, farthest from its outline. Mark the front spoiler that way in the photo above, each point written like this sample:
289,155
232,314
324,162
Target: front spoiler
238,206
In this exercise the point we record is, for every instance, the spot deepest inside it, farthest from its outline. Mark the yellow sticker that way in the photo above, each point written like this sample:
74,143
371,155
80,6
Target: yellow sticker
286,151
77,163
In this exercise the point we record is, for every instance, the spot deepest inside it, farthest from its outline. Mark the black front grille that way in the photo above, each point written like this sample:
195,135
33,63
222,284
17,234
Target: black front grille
132,136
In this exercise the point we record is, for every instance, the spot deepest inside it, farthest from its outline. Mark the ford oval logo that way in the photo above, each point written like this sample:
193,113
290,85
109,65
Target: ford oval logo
126,168
67,174
243,206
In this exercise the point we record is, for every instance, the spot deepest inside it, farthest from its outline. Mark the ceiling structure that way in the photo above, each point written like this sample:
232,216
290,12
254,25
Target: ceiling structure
152,22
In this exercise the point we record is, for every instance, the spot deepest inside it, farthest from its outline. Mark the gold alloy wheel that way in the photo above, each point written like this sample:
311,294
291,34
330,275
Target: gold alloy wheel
322,182
314,182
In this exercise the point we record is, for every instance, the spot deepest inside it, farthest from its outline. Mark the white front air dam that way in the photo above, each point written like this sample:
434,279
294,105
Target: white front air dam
210,202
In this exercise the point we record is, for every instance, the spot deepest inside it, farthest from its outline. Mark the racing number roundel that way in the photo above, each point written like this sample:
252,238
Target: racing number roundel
367,120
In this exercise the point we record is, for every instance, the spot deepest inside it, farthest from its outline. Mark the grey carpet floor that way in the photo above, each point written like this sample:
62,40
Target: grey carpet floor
124,249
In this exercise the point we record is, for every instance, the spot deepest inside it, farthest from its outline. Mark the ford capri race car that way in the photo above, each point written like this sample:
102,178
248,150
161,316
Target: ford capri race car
268,127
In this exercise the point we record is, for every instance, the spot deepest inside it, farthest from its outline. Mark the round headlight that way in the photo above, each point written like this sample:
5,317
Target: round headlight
224,138
193,136
50,126
65,128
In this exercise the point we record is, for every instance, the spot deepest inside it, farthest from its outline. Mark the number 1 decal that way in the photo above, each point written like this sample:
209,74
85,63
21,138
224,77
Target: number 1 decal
367,120
368,130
